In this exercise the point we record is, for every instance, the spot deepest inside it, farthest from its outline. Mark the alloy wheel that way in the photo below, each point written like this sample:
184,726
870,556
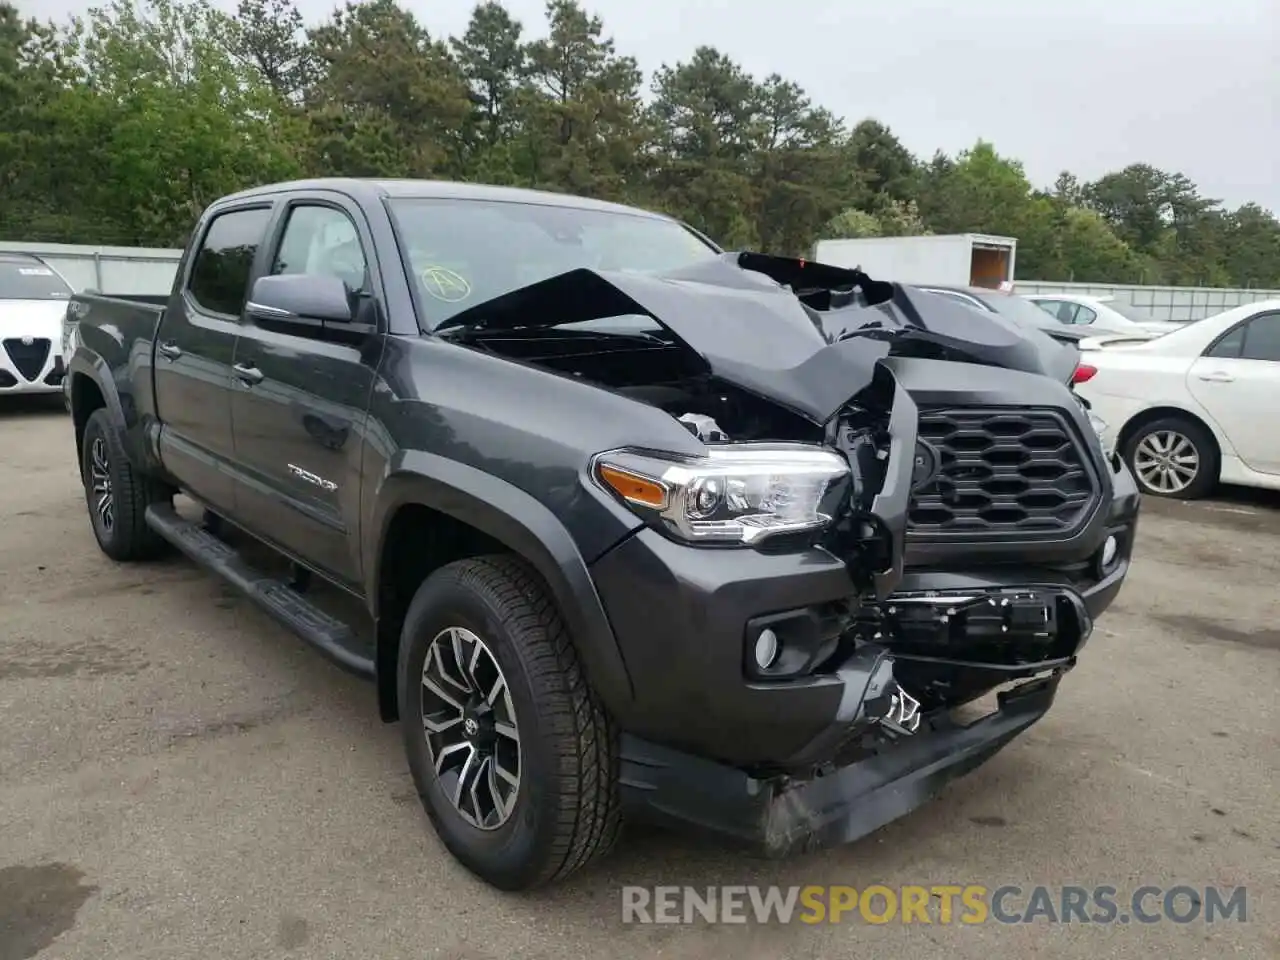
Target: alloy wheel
470,726
1166,461
104,501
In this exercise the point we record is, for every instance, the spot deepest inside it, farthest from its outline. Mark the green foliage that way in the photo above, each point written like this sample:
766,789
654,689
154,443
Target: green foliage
119,127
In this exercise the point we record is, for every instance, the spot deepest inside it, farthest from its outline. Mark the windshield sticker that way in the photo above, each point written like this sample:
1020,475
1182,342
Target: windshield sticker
444,284
35,271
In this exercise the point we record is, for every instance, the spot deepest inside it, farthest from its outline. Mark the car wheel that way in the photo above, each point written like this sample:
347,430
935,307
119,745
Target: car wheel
116,494
1173,457
512,754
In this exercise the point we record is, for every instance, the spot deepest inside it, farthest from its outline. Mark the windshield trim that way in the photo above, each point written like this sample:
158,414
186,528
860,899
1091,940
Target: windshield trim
390,204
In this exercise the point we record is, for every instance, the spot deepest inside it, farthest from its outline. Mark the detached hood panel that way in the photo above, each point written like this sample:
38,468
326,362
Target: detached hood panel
751,330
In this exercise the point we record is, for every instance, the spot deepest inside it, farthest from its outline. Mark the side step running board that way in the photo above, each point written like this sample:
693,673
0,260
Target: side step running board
333,638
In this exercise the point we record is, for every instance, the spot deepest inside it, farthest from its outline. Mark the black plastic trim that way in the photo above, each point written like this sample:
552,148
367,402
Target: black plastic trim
780,817
333,638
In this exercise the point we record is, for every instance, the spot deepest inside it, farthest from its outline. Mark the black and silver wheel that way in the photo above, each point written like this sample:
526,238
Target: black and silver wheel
1173,457
101,498
511,751
470,725
116,494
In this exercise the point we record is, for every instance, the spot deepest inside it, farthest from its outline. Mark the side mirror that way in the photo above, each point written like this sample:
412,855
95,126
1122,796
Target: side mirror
306,304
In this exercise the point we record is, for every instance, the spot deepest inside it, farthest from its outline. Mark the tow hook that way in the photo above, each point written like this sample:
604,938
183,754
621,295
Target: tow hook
903,717
888,706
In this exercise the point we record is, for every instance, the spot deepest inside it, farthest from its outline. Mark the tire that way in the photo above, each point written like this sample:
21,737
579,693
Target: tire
120,524
564,813
1184,434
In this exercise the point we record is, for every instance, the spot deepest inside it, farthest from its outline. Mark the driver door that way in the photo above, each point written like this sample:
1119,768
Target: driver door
1238,381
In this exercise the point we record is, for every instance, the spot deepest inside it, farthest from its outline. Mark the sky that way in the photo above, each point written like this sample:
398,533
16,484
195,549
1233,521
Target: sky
1191,86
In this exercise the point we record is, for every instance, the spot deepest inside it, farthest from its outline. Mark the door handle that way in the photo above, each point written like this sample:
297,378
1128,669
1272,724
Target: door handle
247,374
1216,376
170,350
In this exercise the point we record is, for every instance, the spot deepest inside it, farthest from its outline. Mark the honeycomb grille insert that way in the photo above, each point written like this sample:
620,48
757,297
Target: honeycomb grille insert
1020,472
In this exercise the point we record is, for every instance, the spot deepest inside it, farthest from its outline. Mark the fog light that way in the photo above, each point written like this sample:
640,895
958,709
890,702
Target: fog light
766,649
1109,552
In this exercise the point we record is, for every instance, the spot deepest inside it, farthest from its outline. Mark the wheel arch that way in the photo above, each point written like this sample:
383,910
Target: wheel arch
429,511
1167,411
91,388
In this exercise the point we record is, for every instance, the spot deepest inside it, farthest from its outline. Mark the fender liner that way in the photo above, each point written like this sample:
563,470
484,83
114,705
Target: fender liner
528,528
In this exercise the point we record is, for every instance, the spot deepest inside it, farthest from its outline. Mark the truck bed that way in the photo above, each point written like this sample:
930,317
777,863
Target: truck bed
131,314
120,329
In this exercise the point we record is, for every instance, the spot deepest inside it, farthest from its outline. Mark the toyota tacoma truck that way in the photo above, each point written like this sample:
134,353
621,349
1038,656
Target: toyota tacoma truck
639,526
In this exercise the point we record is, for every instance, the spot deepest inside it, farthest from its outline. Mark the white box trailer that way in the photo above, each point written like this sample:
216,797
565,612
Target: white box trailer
963,259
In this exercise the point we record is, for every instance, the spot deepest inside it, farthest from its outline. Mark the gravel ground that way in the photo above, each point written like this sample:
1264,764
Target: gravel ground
180,778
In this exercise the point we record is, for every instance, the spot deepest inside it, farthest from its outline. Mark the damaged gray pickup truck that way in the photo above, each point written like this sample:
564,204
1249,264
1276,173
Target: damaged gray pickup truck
639,526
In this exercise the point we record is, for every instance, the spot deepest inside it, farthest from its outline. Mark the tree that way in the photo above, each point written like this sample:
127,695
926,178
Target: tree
493,61
802,174
582,127
121,125
389,100
890,170
703,114
270,37
1251,247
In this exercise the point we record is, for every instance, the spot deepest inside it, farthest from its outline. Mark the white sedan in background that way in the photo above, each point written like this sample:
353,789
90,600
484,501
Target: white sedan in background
1196,406
1103,313
33,302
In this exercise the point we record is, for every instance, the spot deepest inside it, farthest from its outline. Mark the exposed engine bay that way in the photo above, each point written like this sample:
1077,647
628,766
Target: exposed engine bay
634,356
753,341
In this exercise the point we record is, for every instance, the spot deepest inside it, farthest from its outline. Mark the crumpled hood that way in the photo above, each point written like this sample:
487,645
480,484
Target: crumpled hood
735,312
33,318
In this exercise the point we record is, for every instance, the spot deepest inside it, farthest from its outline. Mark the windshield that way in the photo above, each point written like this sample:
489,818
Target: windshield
464,252
30,280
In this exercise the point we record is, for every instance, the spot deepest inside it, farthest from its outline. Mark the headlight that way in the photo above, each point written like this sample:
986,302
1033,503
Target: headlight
740,494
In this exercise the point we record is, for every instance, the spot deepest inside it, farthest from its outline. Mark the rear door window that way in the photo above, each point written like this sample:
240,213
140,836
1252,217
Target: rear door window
220,275
1262,338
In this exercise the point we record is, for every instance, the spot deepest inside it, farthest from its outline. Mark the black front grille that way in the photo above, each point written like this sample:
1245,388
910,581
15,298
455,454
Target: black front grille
1010,472
28,358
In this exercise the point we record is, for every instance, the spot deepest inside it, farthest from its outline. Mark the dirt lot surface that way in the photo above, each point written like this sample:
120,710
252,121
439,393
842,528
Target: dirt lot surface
179,778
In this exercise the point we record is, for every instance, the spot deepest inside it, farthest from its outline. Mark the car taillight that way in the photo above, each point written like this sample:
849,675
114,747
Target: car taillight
1083,373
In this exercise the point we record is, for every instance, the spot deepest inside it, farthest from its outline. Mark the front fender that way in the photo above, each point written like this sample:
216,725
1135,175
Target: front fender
515,519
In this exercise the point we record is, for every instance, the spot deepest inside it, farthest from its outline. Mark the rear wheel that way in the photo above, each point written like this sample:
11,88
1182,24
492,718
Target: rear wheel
1173,457
513,755
117,495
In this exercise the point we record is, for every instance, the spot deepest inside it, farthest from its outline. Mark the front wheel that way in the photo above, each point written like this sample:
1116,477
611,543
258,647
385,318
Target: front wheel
512,753
1173,457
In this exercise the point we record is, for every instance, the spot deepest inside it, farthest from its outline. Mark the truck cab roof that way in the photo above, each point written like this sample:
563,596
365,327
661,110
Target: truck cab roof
367,188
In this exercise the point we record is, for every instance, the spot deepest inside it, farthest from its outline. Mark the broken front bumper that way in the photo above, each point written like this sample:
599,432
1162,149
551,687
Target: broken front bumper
779,816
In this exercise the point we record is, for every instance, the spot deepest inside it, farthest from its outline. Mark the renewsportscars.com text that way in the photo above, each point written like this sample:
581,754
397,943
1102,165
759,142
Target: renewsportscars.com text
942,904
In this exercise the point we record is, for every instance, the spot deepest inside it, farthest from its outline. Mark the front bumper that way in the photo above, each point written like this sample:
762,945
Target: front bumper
686,620
779,817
